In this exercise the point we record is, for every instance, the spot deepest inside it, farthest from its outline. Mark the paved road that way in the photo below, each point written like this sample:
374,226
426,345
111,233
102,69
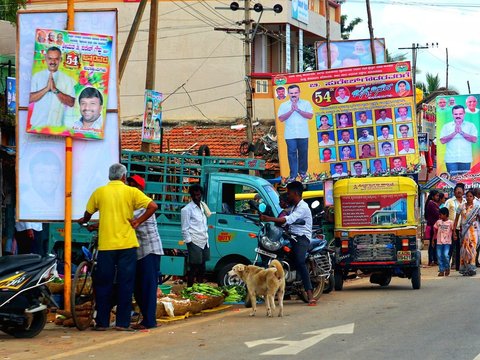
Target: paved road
364,321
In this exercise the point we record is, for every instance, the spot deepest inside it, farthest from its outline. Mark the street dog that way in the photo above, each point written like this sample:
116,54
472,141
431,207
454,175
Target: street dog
266,282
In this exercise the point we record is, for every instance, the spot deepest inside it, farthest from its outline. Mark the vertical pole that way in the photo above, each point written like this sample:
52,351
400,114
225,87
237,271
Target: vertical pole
248,79
327,33
370,29
468,85
300,50
288,57
68,191
151,56
446,69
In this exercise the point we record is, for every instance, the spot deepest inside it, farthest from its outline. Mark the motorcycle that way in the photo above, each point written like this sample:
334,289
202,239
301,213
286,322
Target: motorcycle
275,243
24,296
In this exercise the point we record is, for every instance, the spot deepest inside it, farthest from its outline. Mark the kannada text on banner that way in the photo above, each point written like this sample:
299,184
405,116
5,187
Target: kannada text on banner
69,86
458,149
352,121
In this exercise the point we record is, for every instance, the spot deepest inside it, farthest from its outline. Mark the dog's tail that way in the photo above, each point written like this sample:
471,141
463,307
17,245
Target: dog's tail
280,273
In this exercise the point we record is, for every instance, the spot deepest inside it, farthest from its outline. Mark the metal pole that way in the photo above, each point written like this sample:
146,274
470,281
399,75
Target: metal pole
68,191
248,69
327,33
446,69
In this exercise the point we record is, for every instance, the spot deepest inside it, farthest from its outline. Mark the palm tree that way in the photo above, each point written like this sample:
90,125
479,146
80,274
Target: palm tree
345,30
432,83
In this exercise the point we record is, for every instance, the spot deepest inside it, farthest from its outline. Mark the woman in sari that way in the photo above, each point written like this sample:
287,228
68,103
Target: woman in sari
468,212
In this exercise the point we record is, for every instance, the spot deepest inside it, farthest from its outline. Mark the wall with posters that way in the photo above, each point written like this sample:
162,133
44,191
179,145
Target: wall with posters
41,157
457,123
344,53
351,121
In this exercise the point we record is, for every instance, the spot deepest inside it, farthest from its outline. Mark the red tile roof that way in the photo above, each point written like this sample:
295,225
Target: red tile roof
222,141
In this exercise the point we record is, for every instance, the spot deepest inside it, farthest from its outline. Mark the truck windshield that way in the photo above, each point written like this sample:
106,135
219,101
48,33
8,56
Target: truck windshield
273,195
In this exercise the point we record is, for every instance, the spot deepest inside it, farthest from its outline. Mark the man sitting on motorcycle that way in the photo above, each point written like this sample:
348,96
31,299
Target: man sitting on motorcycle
303,233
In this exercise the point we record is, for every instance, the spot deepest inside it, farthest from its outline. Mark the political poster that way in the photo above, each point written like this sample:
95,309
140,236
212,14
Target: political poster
69,83
11,95
41,157
346,122
458,149
152,117
345,53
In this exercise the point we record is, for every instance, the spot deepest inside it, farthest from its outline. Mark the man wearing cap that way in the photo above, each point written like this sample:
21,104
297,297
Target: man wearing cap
148,262
117,244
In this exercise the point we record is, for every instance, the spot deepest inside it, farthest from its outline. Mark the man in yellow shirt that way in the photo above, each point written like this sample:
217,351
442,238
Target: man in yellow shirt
117,244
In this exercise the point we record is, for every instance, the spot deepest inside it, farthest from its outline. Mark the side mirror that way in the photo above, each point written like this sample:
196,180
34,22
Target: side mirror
315,204
262,207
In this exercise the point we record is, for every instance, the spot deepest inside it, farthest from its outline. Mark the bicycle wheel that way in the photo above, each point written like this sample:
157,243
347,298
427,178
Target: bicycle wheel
82,296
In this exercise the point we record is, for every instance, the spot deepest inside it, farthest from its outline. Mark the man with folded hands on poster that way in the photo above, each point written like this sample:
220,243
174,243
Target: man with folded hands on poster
117,245
52,92
296,113
148,263
91,104
458,136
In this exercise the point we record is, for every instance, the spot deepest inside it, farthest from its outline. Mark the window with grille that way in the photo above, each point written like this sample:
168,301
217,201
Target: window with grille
261,86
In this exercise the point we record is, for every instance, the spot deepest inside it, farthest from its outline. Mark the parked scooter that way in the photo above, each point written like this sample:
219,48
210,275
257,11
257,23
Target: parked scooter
275,243
24,296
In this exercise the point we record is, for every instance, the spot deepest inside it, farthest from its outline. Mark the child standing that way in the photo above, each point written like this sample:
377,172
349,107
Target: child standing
442,235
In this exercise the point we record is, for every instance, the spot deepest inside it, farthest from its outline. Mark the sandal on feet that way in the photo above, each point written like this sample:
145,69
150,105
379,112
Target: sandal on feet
312,302
120,328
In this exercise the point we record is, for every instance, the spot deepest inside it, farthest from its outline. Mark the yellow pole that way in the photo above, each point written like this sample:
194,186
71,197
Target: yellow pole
68,191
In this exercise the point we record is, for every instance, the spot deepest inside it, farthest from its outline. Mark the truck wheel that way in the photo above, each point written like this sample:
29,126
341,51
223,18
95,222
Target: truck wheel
385,281
416,278
224,279
338,280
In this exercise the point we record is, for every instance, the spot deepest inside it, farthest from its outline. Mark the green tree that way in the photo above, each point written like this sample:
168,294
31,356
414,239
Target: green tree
345,29
9,8
394,58
431,84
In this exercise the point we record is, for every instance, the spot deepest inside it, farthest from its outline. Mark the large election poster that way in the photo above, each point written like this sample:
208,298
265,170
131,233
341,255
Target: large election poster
152,117
69,83
11,95
347,122
458,149
344,53
41,157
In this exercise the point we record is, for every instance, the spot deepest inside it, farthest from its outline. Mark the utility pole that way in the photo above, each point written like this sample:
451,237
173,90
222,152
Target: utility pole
370,29
248,81
327,33
446,72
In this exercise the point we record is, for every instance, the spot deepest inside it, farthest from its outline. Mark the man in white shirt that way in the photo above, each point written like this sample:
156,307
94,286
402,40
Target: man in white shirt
52,93
363,119
342,96
403,114
303,233
385,129
295,114
365,136
458,136
386,149
91,104
325,139
195,235
383,119
28,236
338,170
345,138
404,131
406,148
471,103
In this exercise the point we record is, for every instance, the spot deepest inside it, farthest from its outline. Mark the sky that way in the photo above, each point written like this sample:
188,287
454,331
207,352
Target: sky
453,25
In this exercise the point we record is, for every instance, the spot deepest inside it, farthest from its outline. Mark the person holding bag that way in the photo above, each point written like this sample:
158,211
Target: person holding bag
432,214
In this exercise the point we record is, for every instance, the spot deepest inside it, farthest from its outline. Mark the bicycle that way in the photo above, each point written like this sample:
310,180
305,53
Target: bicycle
82,294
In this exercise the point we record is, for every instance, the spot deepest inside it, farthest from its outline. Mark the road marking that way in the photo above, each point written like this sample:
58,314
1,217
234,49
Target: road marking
292,347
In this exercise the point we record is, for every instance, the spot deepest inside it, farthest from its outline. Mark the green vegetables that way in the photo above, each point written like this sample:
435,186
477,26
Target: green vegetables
235,293
200,289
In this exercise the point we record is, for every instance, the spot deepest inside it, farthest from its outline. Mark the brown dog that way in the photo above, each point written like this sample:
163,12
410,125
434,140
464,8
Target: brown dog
260,281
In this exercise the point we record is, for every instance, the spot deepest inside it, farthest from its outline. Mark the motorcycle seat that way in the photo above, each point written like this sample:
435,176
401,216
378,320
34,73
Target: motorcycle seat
317,244
17,262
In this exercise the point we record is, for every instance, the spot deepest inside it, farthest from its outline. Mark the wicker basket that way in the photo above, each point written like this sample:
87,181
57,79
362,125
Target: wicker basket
55,288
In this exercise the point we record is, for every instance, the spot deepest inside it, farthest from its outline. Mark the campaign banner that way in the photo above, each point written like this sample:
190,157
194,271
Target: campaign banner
352,121
11,95
345,53
458,149
367,210
423,141
69,84
152,117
